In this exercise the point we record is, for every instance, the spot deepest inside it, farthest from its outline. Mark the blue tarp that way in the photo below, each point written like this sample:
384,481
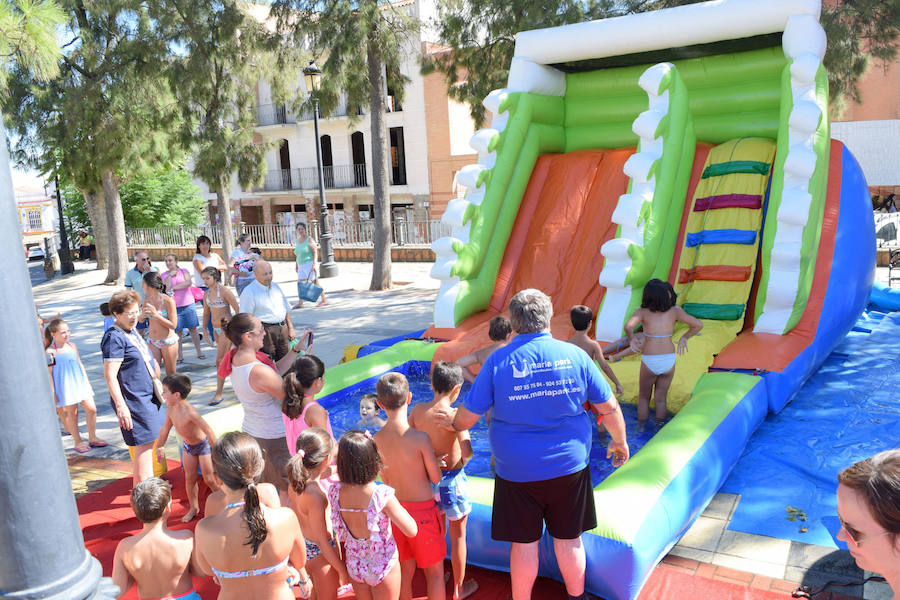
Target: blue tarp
848,410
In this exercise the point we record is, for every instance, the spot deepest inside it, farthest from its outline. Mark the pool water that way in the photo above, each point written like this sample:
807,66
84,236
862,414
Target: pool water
343,410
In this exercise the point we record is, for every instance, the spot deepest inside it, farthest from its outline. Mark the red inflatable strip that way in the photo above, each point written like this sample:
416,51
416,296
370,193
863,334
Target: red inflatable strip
728,201
714,273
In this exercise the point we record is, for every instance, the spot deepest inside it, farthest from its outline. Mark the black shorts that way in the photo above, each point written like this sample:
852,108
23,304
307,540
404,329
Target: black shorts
520,508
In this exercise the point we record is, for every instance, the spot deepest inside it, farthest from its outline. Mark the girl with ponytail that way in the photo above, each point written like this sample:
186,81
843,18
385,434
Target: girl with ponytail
299,409
248,545
315,452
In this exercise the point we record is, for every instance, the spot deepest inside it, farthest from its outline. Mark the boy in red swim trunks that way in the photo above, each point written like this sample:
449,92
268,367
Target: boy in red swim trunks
410,467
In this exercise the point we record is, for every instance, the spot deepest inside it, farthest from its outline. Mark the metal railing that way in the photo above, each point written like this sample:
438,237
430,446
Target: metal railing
280,114
336,177
274,114
887,228
346,233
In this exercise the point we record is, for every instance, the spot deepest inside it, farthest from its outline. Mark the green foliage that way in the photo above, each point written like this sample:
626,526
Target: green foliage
225,51
159,199
107,109
28,38
341,31
481,37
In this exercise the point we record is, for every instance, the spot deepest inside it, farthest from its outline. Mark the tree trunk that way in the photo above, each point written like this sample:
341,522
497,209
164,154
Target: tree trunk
117,251
96,209
223,208
381,262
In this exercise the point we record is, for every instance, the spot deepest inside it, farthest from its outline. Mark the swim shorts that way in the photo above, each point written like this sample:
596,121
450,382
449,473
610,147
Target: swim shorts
520,508
428,546
191,595
452,494
198,449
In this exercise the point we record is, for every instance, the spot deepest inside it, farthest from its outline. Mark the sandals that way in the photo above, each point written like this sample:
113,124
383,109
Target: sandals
98,444
215,402
82,448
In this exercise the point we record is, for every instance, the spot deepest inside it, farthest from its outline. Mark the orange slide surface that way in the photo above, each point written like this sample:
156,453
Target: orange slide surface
563,220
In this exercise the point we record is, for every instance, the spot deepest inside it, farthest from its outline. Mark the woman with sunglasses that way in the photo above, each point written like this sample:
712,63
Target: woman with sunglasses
868,506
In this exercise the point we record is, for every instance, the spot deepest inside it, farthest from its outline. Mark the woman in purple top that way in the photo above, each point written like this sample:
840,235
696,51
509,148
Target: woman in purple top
178,285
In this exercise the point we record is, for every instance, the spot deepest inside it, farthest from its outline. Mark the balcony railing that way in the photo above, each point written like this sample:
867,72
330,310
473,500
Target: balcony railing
279,114
346,233
336,177
274,114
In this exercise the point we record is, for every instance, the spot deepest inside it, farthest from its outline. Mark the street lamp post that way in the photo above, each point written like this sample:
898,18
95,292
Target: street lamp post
327,268
65,256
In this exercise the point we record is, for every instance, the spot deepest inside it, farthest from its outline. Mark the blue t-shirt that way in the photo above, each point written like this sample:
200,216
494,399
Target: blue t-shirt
134,280
537,387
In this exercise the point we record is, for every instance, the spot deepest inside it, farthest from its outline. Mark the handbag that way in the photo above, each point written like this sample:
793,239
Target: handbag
308,290
197,293
142,349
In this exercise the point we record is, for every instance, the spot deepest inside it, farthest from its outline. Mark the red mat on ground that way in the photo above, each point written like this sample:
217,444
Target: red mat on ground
106,518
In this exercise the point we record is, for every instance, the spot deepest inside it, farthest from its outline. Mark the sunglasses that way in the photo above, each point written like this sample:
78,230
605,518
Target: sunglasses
854,535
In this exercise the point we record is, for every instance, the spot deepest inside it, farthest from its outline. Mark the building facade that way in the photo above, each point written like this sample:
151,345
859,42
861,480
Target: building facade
423,130
38,217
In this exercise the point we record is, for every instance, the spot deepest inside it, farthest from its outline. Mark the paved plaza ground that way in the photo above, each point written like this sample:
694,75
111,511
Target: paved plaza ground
357,316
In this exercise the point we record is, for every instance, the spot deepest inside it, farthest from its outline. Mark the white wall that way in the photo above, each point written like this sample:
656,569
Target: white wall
876,145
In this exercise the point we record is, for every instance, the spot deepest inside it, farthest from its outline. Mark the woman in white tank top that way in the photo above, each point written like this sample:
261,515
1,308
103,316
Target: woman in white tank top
259,388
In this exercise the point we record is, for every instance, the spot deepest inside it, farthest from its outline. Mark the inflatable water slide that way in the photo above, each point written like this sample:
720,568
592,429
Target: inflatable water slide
689,144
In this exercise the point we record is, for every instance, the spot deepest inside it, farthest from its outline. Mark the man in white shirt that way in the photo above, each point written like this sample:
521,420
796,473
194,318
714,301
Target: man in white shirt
264,299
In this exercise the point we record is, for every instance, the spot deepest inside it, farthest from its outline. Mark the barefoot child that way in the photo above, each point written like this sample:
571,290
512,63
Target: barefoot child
410,467
582,317
368,414
159,308
315,450
500,331
158,559
364,515
454,449
299,409
70,385
658,314
197,436
219,303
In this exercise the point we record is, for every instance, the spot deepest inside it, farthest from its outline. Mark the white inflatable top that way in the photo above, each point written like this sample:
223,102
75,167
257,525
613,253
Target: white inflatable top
687,25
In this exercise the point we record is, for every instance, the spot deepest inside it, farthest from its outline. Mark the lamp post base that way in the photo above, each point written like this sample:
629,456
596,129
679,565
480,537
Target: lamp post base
328,269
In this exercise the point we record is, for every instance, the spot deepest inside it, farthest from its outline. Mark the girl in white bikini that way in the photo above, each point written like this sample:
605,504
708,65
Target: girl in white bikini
160,309
658,314
218,303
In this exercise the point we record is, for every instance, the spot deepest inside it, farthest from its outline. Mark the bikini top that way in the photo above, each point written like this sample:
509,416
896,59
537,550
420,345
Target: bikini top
218,302
647,335
251,572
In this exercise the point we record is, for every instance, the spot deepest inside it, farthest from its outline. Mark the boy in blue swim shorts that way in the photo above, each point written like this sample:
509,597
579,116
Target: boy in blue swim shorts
197,439
453,450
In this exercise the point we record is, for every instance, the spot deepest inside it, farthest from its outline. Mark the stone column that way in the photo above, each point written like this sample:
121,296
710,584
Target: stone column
43,554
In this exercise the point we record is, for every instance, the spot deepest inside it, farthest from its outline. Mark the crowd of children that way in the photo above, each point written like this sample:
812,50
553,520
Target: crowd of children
335,524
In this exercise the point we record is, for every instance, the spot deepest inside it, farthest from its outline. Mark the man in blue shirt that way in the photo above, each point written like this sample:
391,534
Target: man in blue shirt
134,279
541,438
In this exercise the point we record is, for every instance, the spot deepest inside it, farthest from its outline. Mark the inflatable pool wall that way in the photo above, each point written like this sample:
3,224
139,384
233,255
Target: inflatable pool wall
593,178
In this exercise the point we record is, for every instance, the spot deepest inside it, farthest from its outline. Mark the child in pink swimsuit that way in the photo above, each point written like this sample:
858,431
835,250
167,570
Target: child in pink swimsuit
362,512
300,411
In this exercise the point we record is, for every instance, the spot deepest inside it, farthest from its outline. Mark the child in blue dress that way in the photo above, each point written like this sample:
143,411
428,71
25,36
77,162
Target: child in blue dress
70,385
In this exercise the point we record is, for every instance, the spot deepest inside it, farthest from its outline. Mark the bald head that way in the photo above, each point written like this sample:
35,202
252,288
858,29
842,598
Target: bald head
263,271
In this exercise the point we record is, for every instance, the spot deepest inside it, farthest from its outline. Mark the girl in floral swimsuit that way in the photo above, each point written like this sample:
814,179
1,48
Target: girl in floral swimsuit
361,513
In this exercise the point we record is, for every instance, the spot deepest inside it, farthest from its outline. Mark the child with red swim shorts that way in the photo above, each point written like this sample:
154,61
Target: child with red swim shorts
410,467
